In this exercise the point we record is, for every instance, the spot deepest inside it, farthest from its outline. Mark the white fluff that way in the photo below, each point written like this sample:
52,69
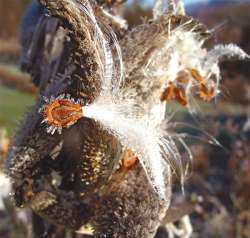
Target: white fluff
5,188
102,46
183,51
138,126
227,51
138,123
174,6
134,128
137,134
112,77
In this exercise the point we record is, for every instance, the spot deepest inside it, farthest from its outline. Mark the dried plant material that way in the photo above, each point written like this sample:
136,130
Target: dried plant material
119,115
118,92
183,50
117,109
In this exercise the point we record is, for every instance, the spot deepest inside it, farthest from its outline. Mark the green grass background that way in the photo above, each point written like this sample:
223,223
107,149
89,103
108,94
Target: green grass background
13,105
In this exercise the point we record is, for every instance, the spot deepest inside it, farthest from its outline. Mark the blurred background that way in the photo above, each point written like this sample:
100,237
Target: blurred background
219,184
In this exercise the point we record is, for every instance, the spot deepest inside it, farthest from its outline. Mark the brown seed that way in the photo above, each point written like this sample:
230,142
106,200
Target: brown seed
62,112
206,93
180,96
196,75
168,94
129,159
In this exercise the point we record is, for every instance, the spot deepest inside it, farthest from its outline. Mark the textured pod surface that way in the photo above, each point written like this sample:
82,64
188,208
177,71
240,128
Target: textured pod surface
75,179
72,179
